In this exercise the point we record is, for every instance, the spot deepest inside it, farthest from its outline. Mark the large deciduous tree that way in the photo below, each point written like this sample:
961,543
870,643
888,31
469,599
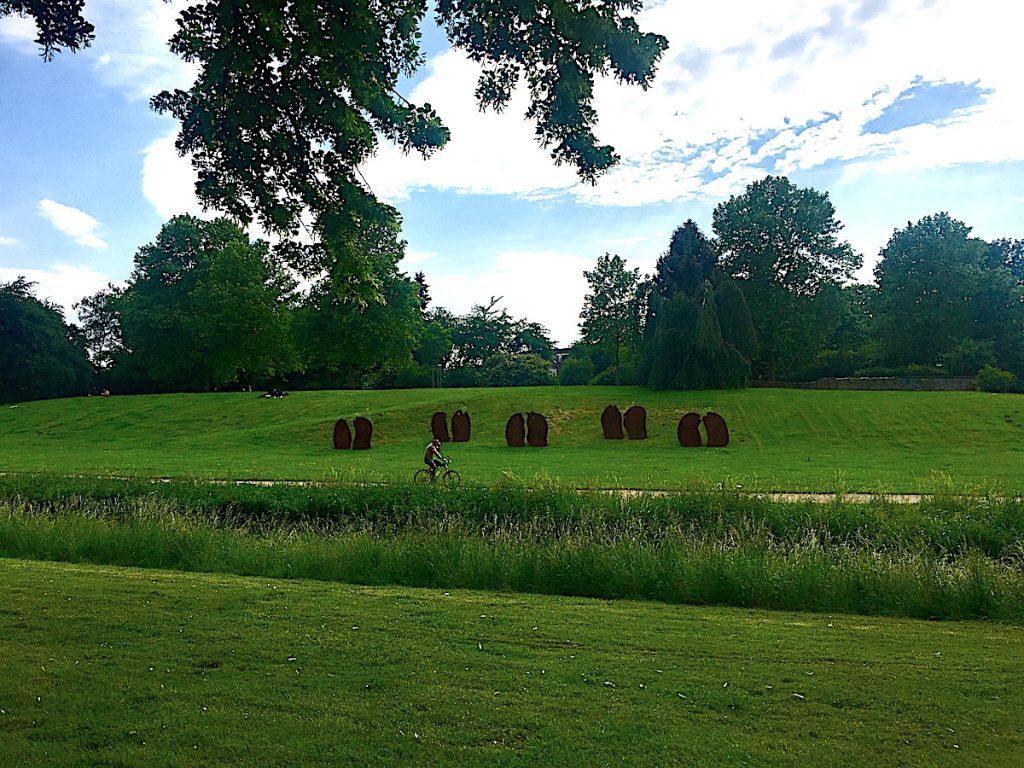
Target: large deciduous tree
40,354
347,343
610,312
943,292
292,97
206,307
781,243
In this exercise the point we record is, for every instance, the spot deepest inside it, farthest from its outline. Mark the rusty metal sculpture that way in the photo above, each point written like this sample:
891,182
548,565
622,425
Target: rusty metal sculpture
536,430
688,431
635,421
460,427
439,426
611,423
342,435
515,431
718,433
364,432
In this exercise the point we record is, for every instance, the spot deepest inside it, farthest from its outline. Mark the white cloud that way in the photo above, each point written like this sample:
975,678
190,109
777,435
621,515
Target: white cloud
63,284
735,74
168,181
488,153
20,33
8,242
414,258
131,52
630,240
73,222
545,287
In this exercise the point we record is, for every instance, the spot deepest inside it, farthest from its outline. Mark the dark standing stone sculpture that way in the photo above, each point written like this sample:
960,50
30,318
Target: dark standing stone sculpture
439,426
689,430
342,435
636,422
718,433
515,431
460,427
537,430
364,432
611,423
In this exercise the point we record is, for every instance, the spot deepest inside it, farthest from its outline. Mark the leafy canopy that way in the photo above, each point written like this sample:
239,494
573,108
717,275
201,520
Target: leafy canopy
59,23
206,307
781,243
292,97
40,355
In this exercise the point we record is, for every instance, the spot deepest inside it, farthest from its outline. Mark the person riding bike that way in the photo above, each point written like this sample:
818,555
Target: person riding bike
432,457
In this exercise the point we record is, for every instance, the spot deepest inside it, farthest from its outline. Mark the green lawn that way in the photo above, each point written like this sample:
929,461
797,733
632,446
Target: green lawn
781,439
110,666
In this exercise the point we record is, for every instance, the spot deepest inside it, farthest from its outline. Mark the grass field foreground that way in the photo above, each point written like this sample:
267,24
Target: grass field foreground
790,440
110,666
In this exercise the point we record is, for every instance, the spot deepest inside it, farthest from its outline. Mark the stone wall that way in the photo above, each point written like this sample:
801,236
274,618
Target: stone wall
902,383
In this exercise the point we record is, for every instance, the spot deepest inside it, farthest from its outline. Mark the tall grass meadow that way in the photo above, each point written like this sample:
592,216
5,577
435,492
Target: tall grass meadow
952,556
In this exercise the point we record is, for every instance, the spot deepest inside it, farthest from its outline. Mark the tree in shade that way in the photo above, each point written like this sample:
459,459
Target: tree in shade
698,331
40,354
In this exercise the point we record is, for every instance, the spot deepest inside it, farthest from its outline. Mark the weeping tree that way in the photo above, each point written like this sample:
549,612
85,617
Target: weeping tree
699,333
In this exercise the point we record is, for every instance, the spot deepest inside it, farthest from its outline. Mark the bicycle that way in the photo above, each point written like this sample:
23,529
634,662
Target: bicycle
449,478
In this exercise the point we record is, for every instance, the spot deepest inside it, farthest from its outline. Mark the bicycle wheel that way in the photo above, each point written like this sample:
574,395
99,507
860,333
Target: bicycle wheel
451,478
421,477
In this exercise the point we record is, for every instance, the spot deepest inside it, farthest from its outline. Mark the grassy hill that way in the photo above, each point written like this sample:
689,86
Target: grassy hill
781,439
201,670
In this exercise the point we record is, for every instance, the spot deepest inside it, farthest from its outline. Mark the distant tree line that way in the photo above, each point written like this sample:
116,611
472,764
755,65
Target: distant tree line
770,297
206,308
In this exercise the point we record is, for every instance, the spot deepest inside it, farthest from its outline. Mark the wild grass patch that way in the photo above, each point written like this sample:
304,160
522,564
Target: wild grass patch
953,556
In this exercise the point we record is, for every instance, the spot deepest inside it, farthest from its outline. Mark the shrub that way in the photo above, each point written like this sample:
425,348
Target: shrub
992,379
575,371
516,371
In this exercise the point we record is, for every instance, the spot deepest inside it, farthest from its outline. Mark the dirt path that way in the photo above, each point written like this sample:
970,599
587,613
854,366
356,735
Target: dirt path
781,496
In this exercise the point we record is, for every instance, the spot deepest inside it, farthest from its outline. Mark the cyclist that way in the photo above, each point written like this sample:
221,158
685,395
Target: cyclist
432,456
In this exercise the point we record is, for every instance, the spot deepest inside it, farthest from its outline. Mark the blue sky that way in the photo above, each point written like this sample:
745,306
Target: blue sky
896,108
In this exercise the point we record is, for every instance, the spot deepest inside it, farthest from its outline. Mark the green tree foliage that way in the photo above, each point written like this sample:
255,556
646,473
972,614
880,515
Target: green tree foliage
59,23
576,370
698,332
846,325
942,292
423,290
688,263
519,370
489,330
205,307
992,379
349,344
1008,254
40,354
99,321
780,242
292,97
610,314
